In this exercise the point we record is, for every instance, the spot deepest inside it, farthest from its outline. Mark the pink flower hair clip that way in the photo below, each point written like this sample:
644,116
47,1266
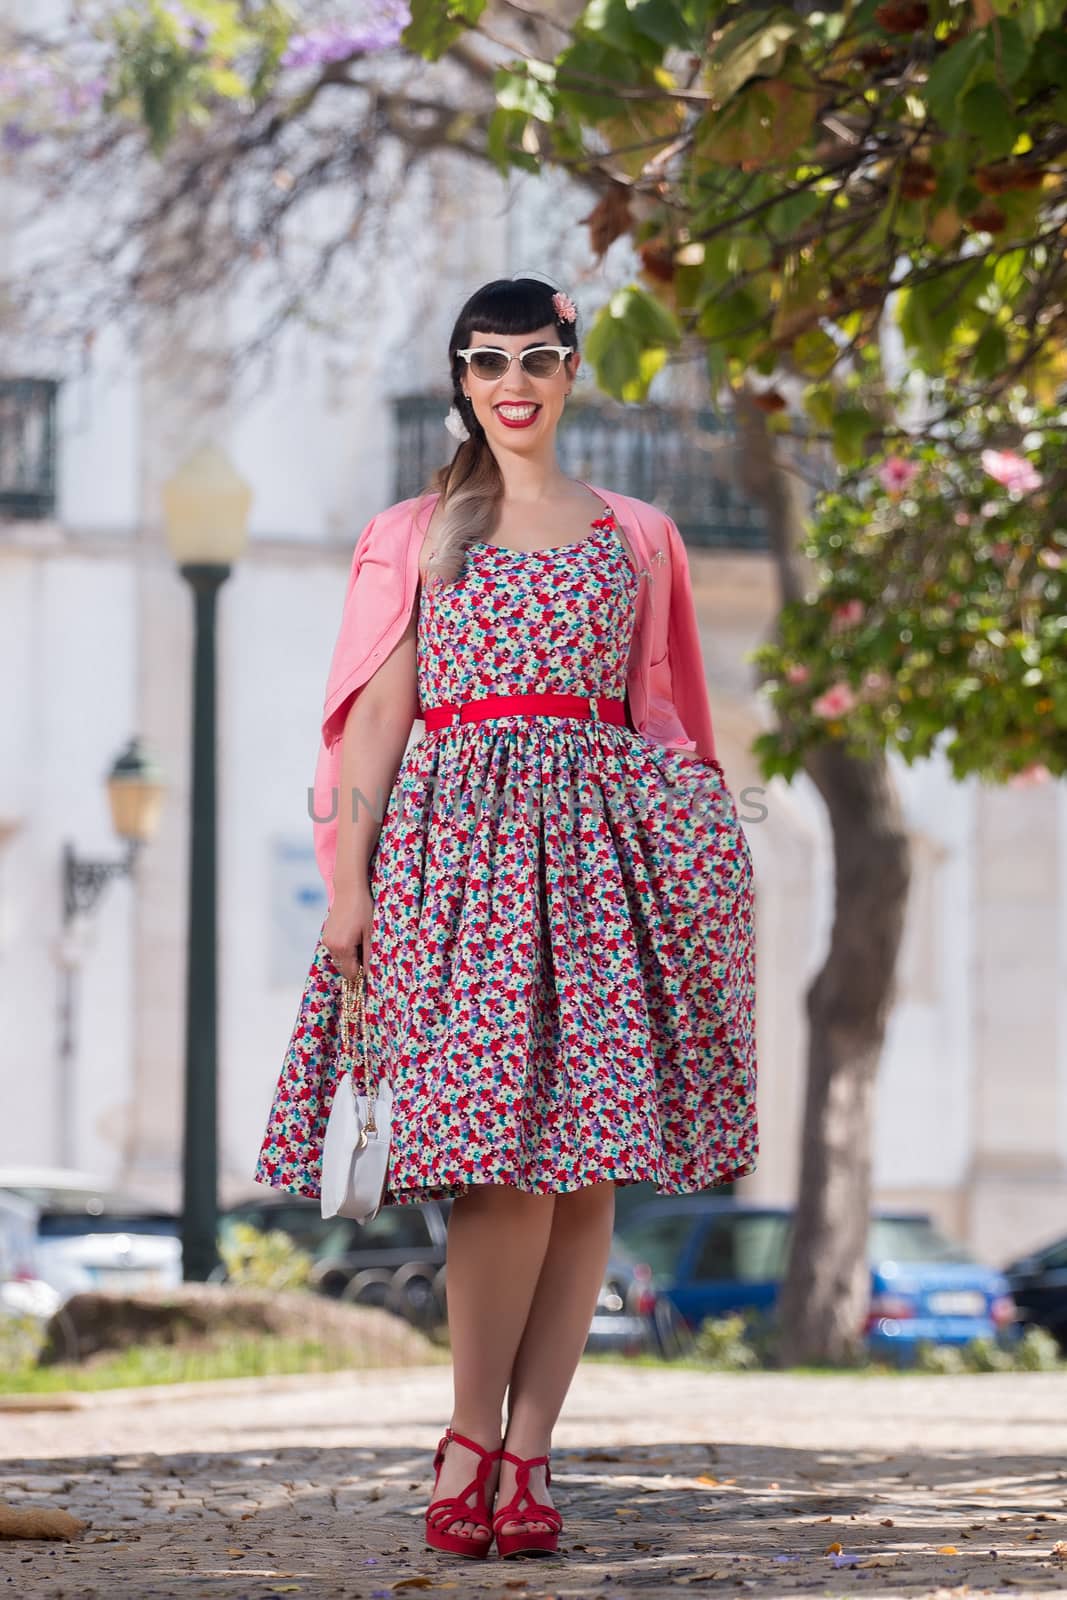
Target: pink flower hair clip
565,308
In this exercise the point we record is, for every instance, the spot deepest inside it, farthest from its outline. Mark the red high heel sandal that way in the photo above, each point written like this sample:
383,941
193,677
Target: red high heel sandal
441,1514
527,1541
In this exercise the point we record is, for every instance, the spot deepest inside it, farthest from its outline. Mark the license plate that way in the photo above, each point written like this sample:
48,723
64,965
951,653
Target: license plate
128,1279
957,1303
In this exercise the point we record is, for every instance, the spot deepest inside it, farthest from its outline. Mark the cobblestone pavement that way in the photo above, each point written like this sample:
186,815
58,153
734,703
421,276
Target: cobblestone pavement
668,1481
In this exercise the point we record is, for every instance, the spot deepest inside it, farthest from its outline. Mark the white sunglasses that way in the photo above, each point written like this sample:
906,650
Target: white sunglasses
539,361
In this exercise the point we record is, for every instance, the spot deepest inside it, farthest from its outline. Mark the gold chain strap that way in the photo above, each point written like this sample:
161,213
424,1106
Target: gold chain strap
353,1016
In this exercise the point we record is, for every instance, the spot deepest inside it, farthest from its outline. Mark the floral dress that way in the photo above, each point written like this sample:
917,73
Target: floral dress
562,981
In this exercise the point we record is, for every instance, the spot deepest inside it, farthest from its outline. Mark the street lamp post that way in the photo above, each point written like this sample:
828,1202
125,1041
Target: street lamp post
135,794
206,507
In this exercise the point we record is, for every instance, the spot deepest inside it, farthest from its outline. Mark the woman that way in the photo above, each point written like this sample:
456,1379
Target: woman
554,913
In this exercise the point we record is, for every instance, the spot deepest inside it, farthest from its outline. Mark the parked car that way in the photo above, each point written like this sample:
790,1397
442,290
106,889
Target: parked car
710,1257
22,1292
1039,1288
90,1236
395,1260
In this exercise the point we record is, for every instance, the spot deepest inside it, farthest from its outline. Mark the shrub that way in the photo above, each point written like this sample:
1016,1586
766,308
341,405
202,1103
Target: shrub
722,1344
258,1260
1038,1351
21,1340
944,1358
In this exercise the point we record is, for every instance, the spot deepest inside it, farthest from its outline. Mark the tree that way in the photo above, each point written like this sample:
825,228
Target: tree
795,181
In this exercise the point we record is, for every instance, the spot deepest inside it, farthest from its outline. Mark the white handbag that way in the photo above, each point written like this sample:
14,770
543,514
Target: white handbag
355,1151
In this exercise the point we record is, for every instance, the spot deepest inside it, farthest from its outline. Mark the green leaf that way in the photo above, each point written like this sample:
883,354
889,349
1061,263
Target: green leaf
226,82
522,90
951,75
650,321
614,353
642,28
987,113
754,45
435,27
1005,47
851,425
814,351
990,352
649,363
504,141
587,74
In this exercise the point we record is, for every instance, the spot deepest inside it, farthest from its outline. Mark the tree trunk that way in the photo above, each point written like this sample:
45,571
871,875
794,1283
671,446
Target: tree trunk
825,1294
827,1284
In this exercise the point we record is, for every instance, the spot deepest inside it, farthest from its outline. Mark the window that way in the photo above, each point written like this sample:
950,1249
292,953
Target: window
394,1228
745,1249
910,1239
658,1242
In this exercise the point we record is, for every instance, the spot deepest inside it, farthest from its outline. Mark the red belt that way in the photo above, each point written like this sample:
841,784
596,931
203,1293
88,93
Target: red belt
527,705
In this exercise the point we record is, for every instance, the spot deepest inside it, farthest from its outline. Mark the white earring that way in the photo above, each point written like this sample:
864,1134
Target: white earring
456,425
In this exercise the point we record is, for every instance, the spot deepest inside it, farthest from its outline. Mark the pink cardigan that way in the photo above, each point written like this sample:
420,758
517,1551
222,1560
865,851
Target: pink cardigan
666,691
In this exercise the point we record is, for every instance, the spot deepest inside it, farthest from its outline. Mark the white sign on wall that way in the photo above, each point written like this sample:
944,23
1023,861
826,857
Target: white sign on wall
298,906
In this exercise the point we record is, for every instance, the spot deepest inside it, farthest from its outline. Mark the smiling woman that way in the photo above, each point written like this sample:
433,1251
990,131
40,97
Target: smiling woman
554,916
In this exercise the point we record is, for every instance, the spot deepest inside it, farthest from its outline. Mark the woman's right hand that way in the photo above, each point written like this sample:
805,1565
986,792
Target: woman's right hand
346,932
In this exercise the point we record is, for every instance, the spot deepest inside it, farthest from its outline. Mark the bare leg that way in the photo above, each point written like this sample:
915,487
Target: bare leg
497,1238
556,1330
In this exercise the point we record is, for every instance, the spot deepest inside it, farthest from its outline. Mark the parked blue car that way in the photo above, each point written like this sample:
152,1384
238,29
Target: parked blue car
710,1256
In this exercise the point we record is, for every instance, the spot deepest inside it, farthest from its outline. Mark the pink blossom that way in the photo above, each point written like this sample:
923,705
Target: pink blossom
797,673
895,474
1001,552
837,701
961,518
1030,776
1012,470
847,614
876,682
1051,558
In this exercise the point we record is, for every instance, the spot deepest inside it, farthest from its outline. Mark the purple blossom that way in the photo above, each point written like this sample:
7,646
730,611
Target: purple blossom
337,41
75,98
193,32
15,137
19,77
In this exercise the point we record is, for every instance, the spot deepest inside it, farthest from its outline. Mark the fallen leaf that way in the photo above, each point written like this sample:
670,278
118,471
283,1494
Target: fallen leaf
887,1522
1031,1537
412,1583
285,1588
1059,1550
624,1511
706,1477
237,1555
34,1522
947,1550
834,1549
886,1558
